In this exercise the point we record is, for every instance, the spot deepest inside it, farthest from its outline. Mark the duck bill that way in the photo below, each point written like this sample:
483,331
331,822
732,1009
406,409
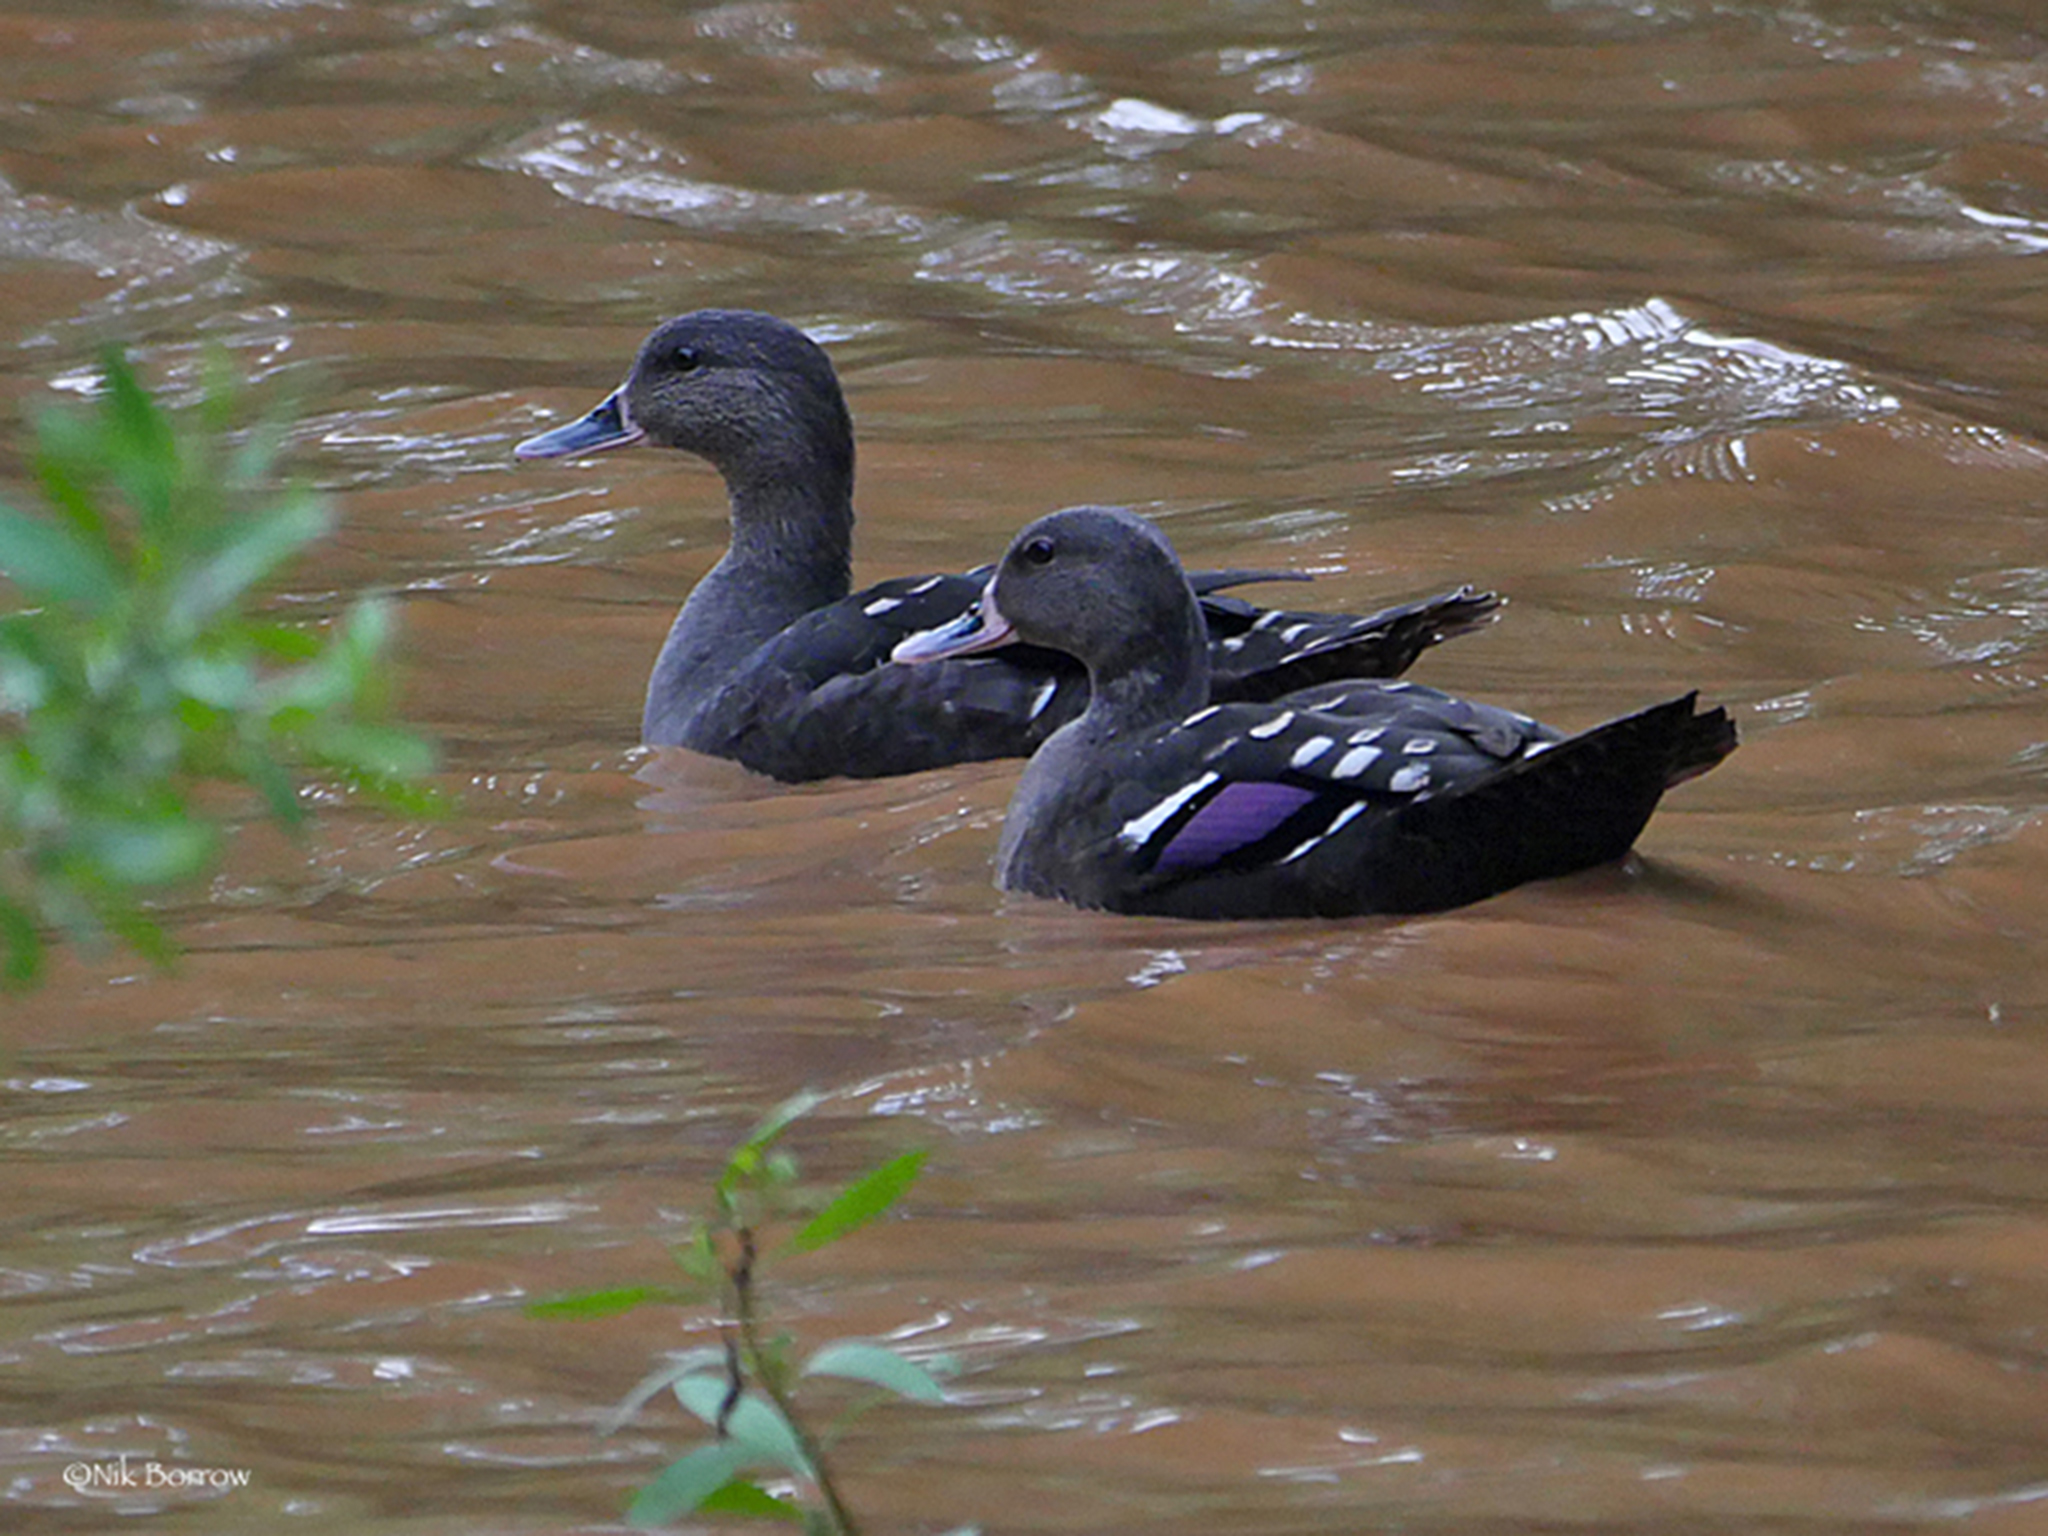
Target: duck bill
980,628
609,426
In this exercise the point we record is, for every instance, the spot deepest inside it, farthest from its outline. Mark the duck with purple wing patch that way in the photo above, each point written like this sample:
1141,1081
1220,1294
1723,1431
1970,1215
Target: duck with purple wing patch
773,663
1339,799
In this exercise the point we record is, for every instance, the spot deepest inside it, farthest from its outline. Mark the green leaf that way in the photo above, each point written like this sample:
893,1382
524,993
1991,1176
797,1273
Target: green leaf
685,1483
142,453
373,751
220,388
878,1365
774,1356
699,1260
225,682
704,1395
143,936
133,672
755,1424
158,850
52,563
263,542
67,464
268,777
364,632
605,1303
779,1119
861,1201
740,1497
662,1377
24,940
25,682
284,642
748,1159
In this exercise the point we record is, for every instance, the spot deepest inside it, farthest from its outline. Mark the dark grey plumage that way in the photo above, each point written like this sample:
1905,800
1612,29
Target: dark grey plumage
1344,798
773,663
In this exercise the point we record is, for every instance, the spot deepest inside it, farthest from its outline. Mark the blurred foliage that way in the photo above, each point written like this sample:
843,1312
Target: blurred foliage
745,1387
141,665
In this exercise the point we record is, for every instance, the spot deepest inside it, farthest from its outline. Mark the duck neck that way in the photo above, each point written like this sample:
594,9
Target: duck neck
1145,685
1160,675
792,541
791,553
791,493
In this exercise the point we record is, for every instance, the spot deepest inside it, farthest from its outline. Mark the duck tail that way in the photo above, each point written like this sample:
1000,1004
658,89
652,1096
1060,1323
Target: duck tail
1699,742
1573,806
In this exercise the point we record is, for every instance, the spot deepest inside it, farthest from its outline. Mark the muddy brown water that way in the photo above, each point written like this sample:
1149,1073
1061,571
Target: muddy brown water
1704,1194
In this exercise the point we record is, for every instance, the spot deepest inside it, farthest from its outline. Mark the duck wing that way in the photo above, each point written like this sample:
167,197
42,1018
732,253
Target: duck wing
1367,797
1261,654
819,700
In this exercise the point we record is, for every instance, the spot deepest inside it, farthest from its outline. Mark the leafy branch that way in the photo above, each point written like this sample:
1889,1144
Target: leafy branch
745,1387
137,667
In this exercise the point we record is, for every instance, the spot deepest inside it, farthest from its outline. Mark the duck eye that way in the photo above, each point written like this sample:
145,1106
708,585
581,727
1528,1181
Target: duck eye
686,359
1038,551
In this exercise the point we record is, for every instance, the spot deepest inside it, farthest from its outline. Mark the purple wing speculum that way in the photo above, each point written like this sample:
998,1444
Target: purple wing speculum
1235,817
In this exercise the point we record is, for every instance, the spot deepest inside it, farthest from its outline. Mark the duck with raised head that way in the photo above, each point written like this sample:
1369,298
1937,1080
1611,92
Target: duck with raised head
1335,800
771,662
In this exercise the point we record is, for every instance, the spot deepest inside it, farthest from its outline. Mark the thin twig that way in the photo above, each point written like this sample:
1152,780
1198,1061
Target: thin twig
742,1276
735,1379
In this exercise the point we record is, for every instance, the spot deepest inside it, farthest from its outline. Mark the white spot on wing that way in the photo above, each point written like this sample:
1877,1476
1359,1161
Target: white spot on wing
1409,778
1309,751
1421,746
1265,730
1200,715
1294,632
1043,697
926,585
882,605
1234,643
1220,748
1370,733
1136,832
1355,762
1301,848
